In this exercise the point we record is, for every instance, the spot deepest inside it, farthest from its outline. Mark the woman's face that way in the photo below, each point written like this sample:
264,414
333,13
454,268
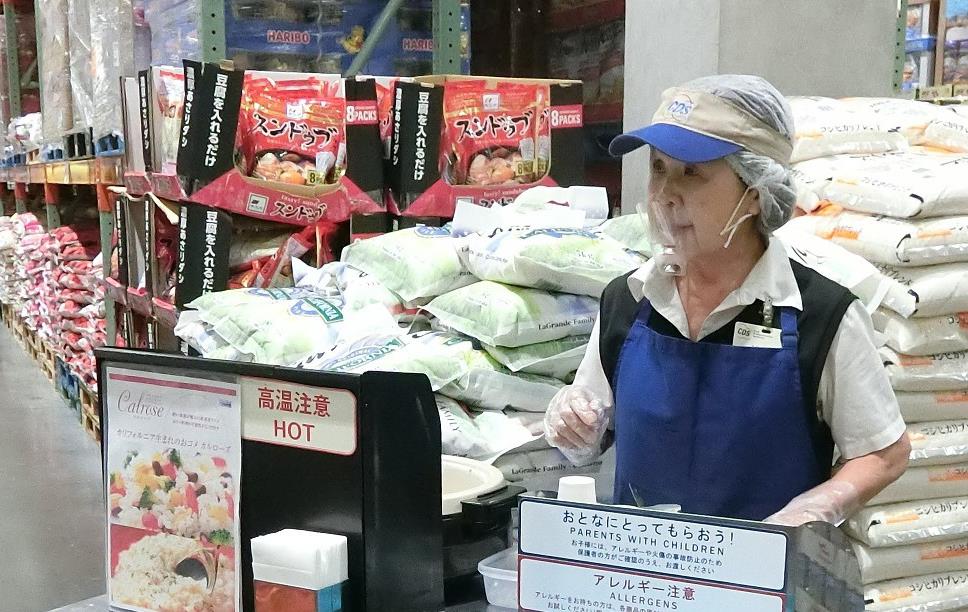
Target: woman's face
696,202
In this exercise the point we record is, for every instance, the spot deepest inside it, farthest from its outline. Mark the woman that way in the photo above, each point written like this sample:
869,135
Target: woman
729,373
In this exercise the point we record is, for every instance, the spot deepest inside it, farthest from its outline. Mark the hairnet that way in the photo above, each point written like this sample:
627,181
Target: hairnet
773,182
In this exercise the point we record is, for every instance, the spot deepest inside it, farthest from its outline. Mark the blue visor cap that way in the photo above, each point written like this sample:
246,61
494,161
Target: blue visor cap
675,141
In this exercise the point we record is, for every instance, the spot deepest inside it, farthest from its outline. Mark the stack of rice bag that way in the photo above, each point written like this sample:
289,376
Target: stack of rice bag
497,323
12,273
887,180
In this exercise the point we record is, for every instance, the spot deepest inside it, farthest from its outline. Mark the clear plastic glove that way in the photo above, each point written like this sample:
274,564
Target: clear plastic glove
575,424
831,502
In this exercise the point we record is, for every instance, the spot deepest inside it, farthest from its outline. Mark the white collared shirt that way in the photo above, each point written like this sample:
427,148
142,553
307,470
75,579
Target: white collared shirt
855,398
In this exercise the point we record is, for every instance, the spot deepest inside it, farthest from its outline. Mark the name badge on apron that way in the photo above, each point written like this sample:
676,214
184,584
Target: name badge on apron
757,336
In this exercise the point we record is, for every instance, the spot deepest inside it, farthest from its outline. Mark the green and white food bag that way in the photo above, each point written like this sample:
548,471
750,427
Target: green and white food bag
490,386
564,260
631,231
415,263
483,436
501,315
555,358
281,331
442,357
357,288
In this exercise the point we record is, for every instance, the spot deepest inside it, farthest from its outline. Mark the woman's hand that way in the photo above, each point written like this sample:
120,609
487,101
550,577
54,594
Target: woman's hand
855,484
575,424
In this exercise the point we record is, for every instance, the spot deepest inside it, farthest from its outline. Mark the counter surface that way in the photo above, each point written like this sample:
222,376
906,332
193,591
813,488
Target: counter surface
100,604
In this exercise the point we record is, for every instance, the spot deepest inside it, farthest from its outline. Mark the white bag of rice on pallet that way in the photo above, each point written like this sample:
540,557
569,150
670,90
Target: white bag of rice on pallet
916,522
934,592
939,442
879,564
938,290
562,260
925,336
500,315
924,406
905,184
415,263
940,372
826,127
864,280
894,242
926,482
810,177
949,133
909,117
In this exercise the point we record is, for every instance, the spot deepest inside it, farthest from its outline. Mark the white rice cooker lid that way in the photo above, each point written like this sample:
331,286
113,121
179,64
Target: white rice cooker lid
464,479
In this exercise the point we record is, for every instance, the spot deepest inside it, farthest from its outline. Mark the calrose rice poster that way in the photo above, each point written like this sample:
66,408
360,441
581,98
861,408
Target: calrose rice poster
173,469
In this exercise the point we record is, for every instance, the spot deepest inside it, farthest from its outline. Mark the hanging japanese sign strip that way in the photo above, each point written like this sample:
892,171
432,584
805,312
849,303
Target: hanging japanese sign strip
288,414
609,557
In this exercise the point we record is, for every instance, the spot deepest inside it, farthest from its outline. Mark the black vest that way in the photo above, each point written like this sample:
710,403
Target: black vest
824,305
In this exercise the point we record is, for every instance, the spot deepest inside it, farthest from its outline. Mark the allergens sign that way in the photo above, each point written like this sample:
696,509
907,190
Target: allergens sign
288,414
607,557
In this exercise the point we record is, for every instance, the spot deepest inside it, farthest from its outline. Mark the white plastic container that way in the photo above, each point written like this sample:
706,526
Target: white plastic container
500,573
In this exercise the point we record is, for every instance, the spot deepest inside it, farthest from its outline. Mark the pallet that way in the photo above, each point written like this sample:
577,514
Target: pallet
109,146
90,412
79,145
48,362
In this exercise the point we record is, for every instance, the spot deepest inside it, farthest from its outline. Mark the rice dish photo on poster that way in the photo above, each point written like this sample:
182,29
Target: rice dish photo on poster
173,452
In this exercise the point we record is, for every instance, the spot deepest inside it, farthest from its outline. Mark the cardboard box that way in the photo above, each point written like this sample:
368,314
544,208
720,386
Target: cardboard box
215,176
421,177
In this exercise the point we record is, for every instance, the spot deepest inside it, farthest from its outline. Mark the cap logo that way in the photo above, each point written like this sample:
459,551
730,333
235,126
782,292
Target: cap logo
681,107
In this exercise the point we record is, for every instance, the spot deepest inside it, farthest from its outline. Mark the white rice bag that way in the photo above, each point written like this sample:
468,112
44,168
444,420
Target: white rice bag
926,482
904,184
501,315
941,372
490,386
286,331
938,290
916,522
556,358
864,280
924,406
949,133
923,336
826,127
414,263
889,241
809,177
939,442
442,357
483,436
563,260
356,287
908,117
934,592
878,564
631,231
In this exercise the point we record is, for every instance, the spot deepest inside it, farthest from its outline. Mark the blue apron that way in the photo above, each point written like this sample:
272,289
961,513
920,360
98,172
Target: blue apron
721,430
